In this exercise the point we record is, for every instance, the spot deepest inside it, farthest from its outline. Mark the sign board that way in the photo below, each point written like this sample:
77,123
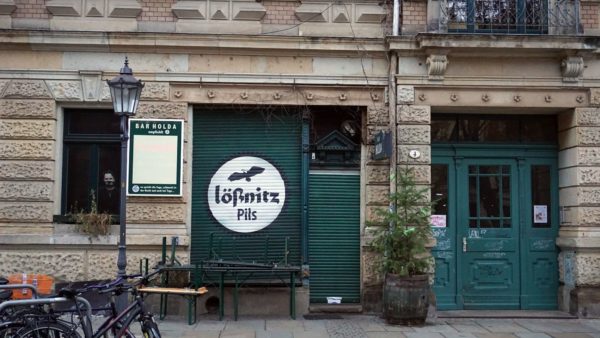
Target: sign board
155,157
383,145
246,194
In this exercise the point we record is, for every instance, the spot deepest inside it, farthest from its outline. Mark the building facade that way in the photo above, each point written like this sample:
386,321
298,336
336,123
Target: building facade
493,103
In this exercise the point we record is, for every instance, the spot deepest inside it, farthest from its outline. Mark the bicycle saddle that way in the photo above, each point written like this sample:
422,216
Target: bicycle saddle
5,295
3,281
67,293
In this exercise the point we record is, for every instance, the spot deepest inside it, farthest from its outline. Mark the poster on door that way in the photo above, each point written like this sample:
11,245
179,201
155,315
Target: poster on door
438,221
540,214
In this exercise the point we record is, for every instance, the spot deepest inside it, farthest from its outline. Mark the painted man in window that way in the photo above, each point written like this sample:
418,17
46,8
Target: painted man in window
108,194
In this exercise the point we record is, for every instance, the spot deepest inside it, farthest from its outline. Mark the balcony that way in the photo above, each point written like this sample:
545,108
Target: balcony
533,17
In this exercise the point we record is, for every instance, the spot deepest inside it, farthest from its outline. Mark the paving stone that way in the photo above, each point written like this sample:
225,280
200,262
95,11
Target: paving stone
385,335
440,328
459,335
470,327
311,334
571,335
285,324
247,324
274,334
501,325
399,328
318,325
495,335
238,334
345,329
199,334
553,325
532,335
422,335
209,325
369,326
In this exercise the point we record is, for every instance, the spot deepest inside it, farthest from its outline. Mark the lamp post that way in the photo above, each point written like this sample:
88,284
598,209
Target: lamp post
125,91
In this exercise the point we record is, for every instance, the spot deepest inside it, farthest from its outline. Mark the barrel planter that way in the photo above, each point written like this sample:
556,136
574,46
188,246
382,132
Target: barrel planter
406,299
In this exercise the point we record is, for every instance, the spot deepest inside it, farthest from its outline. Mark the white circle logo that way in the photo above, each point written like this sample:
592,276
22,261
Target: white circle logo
246,194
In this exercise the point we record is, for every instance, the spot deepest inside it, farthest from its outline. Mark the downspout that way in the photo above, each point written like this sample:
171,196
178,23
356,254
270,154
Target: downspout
396,18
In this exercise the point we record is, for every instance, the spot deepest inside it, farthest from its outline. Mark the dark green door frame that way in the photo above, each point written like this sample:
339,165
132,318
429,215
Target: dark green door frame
527,261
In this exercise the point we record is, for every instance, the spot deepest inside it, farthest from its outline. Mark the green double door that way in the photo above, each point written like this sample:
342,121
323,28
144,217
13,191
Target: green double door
496,223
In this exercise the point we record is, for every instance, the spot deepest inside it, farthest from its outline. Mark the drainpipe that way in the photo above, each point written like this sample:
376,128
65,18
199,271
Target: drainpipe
393,117
396,18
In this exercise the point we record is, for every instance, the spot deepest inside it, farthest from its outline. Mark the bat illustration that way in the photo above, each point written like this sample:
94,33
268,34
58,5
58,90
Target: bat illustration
246,174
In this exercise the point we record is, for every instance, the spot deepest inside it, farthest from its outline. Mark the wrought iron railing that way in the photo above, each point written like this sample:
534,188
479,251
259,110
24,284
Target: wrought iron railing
551,17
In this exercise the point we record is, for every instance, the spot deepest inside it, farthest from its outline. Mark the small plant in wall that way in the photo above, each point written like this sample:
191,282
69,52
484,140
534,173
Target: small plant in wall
402,247
92,222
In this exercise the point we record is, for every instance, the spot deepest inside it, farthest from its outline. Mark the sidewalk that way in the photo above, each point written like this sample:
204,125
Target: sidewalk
363,326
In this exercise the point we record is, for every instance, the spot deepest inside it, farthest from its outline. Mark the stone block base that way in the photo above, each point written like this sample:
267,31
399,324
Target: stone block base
372,298
585,302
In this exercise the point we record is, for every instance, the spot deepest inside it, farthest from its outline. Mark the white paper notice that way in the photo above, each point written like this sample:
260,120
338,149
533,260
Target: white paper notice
155,160
438,221
540,214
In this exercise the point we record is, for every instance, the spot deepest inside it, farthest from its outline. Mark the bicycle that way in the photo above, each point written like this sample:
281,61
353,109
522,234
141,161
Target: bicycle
117,324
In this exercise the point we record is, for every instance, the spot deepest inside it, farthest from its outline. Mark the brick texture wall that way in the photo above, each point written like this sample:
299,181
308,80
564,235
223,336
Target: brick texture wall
414,13
157,10
31,9
280,12
589,16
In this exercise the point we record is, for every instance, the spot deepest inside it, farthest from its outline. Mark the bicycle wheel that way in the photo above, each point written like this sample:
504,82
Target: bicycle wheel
150,329
47,330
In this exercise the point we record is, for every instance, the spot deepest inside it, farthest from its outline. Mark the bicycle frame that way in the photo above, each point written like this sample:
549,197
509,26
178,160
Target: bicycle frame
130,313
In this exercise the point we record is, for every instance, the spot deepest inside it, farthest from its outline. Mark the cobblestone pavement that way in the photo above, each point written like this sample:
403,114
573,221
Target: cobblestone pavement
363,326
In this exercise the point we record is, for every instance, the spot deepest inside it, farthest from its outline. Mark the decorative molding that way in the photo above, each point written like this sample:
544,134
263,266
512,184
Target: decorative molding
370,13
124,8
64,7
190,10
312,12
95,8
249,11
595,97
341,14
437,65
572,68
7,7
219,10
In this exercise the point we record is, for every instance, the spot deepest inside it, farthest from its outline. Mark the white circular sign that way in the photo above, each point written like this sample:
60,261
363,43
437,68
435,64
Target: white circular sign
246,194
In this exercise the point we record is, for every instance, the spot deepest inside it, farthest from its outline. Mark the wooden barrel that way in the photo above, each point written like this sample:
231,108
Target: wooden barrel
406,299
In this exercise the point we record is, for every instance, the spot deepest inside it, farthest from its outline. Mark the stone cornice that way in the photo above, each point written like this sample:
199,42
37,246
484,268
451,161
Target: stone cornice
184,43
475,44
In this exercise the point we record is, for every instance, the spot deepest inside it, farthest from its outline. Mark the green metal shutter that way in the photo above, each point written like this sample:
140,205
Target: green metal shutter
220,135
334,236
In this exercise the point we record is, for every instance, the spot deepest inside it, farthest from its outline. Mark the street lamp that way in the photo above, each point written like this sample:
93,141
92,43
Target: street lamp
125,91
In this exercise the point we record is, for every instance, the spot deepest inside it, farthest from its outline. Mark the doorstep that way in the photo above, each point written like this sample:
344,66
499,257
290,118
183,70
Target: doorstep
335,308
537,314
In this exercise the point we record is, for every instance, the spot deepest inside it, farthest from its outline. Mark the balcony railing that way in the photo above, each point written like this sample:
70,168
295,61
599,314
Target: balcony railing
549,17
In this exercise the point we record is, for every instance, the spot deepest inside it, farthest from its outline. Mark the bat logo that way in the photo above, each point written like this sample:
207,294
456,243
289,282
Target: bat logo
236,176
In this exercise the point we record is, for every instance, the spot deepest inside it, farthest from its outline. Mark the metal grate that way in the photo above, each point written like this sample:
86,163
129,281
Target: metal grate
554,17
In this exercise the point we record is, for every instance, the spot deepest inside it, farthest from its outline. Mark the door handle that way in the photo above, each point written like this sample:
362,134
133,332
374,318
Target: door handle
464,244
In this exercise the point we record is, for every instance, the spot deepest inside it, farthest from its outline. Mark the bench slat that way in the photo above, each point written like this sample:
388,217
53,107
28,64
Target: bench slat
175,291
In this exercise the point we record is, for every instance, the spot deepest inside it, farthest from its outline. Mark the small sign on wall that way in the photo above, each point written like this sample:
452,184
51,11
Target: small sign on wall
155,157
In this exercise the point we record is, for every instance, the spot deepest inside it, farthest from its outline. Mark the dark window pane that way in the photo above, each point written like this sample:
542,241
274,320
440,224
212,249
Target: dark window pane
79,180
488,169
489,195
443,130
541,196
484,129
489,223
473,197
506,223
539,129
506,196
92,122
473,223
505,169
439,188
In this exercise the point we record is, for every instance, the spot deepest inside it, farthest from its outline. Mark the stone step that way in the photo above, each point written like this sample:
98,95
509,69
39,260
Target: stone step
335,308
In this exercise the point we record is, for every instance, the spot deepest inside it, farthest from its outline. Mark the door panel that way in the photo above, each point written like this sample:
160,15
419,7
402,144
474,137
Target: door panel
489,260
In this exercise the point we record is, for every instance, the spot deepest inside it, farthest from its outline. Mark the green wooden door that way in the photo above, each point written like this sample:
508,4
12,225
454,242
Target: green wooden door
488,229
334,236
496,244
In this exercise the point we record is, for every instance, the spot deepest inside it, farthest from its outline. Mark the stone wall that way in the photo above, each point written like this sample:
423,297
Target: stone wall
579,182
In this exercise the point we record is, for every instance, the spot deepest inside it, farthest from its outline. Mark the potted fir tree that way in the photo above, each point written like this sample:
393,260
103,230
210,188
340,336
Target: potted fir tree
403,257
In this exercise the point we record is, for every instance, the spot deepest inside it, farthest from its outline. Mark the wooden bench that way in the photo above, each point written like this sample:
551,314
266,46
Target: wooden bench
191,295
